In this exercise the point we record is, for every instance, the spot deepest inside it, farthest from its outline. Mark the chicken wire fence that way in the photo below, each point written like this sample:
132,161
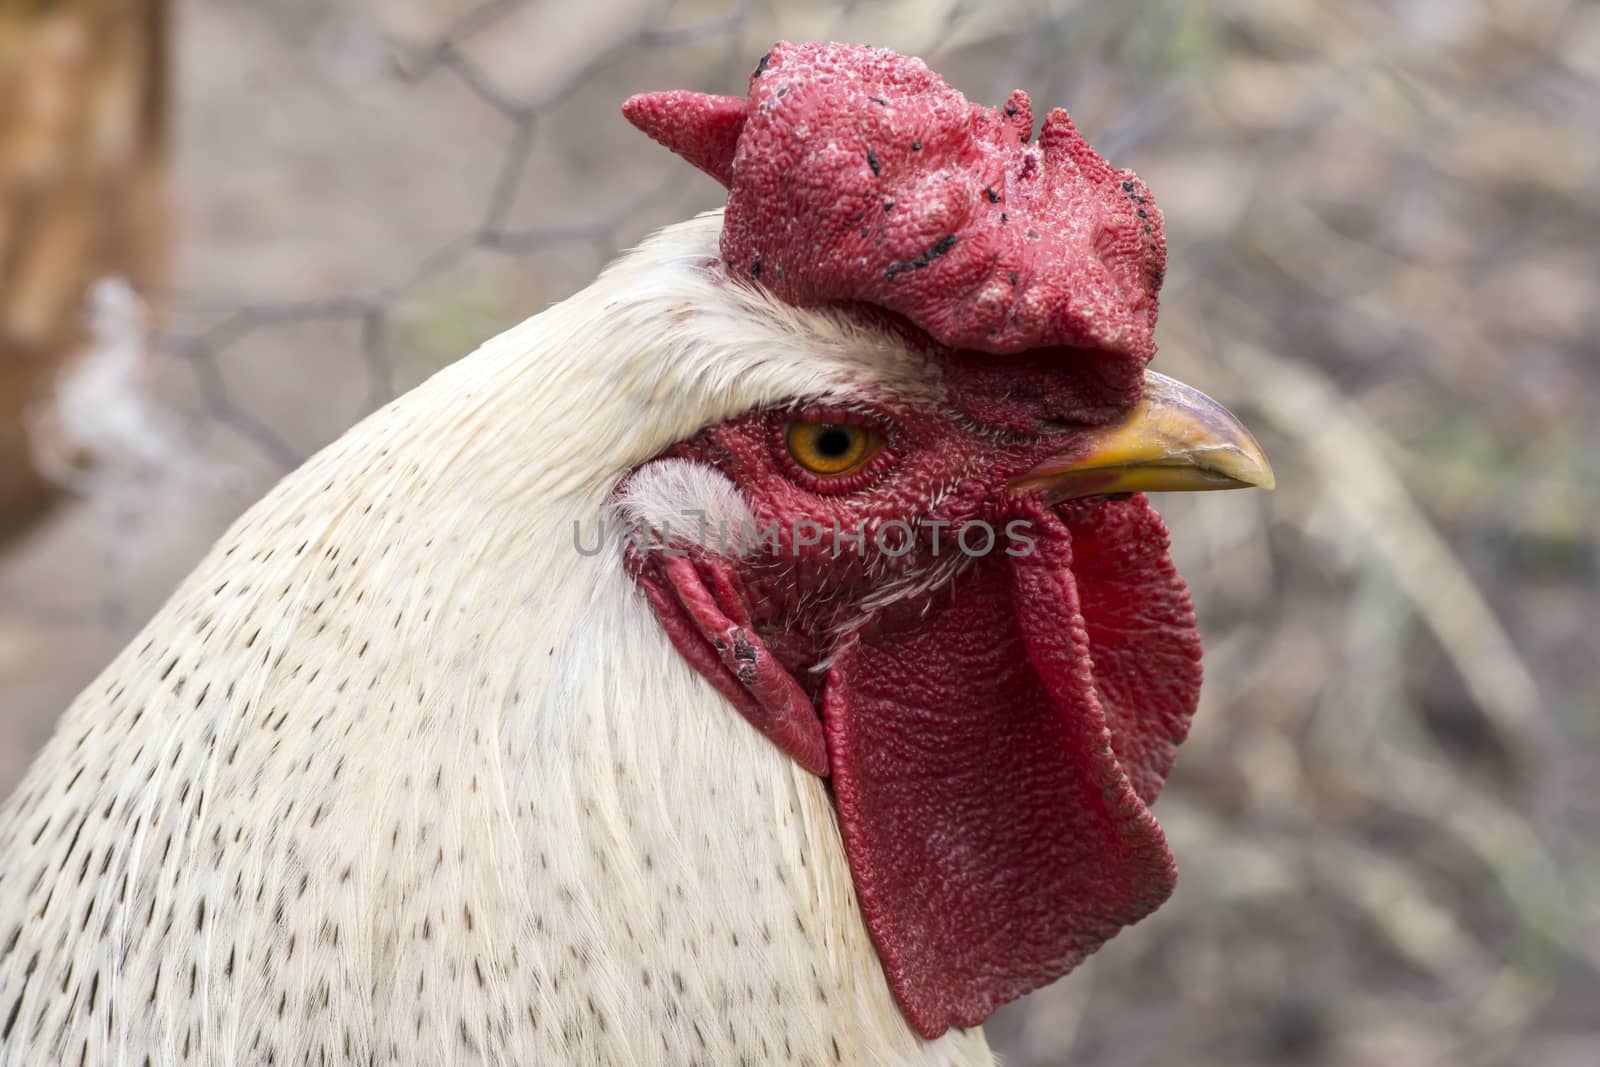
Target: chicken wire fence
1383,254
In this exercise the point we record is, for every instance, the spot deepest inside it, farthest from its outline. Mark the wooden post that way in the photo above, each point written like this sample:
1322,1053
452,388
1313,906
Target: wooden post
82,132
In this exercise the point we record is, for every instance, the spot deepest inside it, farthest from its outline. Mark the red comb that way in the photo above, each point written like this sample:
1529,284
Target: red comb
858,175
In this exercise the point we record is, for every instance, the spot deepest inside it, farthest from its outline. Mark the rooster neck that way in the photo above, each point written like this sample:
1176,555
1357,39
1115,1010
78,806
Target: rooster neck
374,786
692,871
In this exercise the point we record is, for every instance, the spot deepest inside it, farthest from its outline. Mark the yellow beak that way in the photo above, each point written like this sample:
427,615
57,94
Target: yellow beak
1174,440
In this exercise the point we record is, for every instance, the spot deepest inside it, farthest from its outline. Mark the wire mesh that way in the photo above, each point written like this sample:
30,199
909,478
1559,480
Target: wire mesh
1383,228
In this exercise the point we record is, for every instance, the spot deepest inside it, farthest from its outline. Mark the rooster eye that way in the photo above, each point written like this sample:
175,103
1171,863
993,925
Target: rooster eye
831,449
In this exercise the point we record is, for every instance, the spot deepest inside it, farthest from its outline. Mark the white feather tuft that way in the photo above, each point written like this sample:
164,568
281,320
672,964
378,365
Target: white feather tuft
684,502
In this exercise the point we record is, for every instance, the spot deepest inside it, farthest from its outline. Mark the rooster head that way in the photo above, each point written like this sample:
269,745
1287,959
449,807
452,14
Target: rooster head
949,596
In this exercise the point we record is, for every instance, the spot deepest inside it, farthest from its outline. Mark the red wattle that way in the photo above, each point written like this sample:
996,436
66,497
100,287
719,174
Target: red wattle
989,786
1142,634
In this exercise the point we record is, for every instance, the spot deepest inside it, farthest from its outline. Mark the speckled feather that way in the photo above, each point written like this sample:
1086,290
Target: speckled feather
398,776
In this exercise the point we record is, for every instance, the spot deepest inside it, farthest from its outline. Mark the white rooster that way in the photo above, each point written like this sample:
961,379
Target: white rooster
492,736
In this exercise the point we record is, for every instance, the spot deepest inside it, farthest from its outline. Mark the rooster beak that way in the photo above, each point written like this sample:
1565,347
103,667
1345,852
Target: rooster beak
1175,439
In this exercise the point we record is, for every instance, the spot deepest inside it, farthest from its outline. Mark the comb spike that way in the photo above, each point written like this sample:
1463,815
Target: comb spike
702,128
1060,139
1019,115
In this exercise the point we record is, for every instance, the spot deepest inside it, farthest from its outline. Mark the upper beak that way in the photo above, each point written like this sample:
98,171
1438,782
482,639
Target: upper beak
1175,439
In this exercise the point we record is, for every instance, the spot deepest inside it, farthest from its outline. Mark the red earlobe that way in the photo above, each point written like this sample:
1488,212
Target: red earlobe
702,128
699,605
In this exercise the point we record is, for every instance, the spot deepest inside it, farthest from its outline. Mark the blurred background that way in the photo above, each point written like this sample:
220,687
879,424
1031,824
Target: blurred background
229,229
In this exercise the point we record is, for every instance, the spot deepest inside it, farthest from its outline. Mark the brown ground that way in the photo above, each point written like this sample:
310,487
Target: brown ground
1384,229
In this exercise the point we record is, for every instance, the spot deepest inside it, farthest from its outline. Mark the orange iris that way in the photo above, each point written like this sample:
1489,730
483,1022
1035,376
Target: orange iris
832,449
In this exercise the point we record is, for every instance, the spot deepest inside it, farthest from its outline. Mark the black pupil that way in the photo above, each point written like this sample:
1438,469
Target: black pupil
833,441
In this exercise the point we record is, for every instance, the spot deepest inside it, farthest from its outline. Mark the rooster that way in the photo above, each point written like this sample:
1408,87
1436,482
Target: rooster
765,655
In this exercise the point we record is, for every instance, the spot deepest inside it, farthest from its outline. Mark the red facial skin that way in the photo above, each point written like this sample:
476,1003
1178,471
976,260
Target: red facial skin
993,739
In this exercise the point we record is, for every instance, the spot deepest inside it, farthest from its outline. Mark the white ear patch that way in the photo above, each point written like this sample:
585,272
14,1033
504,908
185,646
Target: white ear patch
688,502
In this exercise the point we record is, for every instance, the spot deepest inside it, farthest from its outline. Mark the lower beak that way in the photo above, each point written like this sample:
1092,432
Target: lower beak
1175,439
